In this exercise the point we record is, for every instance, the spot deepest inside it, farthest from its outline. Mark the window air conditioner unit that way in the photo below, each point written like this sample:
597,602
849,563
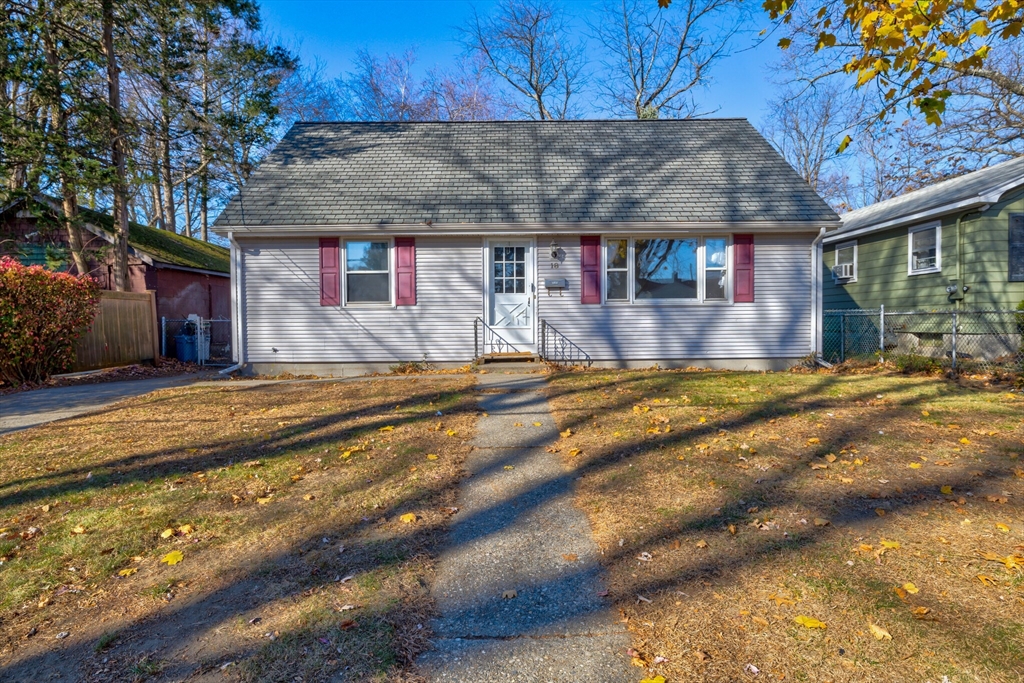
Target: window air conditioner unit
842,271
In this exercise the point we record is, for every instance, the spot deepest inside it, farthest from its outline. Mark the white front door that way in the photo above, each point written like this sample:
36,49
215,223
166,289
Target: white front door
510,291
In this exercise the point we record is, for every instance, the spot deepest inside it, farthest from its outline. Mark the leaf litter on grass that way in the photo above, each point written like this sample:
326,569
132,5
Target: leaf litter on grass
211,454
832,542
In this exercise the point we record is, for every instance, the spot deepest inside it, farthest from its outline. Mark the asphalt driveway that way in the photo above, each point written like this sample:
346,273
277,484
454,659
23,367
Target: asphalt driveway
30,408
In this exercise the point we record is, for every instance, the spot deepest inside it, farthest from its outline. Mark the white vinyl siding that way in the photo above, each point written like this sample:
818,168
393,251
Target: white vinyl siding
281,309
281,300
776,325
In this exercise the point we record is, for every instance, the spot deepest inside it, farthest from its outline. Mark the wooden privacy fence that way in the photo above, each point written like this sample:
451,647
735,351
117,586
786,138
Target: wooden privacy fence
124,332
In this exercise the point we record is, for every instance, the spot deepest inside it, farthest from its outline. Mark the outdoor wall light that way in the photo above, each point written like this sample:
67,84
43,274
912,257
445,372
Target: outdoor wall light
554,250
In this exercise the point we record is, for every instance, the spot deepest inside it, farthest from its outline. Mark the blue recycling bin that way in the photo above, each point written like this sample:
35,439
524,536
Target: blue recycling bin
186,348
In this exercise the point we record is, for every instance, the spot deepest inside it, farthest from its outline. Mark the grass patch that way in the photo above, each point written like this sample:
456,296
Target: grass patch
758,498
262,521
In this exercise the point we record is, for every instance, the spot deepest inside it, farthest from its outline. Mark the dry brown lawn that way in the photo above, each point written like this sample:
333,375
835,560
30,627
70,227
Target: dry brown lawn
805,527
304,516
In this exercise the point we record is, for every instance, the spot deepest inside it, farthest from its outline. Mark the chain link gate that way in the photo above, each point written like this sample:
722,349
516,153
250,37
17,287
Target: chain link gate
972,342
197,340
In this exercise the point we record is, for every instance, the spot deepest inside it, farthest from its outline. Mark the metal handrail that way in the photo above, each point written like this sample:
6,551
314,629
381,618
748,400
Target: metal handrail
496,342
560,348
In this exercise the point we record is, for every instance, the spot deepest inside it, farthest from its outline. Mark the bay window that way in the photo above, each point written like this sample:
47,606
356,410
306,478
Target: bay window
687,269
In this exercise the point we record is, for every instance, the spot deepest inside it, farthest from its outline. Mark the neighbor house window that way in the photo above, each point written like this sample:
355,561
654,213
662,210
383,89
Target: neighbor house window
689,269
367,272
925,254
845,269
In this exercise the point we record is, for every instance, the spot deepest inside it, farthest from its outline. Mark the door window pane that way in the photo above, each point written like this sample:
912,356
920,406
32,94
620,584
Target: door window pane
665,268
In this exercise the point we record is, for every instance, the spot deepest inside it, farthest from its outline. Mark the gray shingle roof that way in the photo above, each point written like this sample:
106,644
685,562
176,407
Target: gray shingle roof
967,190
705,170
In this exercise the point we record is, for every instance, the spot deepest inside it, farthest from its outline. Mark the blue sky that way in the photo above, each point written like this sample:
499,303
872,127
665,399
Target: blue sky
334,29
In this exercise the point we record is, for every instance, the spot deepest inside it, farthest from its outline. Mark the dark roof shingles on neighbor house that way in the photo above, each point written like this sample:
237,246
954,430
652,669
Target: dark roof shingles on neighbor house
707,170
969,189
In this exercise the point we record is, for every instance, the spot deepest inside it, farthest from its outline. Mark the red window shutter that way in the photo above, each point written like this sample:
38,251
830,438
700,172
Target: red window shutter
743,268
330,272
405,271
590,269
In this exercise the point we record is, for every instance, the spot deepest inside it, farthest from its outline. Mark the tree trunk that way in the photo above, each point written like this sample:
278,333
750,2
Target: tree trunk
188,207
166,177
117,152
158,202
58,125
204,206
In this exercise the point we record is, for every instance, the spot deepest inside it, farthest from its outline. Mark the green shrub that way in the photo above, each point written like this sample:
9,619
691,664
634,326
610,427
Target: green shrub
42,314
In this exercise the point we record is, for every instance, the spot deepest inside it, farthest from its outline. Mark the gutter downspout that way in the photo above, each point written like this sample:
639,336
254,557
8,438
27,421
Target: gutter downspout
960,250
237,352
816,293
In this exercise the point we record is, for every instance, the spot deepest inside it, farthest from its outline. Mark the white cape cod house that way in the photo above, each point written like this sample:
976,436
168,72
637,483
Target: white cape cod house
628,243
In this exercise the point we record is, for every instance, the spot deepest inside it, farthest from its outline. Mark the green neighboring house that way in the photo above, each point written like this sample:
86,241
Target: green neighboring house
956,244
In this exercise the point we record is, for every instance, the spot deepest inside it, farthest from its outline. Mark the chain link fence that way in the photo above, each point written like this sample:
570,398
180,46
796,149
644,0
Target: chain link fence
197,340
972,342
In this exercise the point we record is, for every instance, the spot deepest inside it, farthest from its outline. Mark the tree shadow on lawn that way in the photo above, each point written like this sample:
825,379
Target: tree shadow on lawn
855,509
300,569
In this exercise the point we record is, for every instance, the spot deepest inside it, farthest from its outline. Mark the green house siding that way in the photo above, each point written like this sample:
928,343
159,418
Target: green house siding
882,277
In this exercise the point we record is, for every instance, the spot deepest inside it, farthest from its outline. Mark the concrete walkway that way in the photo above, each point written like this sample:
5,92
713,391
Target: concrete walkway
517,530
30,408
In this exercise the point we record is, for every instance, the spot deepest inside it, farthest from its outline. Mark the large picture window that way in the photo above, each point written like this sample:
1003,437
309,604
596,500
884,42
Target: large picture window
367,272
924,246
689,269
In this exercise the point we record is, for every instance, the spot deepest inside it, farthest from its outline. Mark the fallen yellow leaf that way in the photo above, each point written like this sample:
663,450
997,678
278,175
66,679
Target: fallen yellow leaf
947,490
574,452
172,558
1002,527
128,572
451,432
78,530
389,428
408,518
656,679
965,441
914,465
702,543
264,501
166,533
185,529
910,588
986,580
780,601
813,440
431,456
702,419
925,413
538,424
809,622
879,632
566,434
892,545
517,424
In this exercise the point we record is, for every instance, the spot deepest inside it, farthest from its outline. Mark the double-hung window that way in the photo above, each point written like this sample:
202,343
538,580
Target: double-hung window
367,272
924,245
688,269
845,269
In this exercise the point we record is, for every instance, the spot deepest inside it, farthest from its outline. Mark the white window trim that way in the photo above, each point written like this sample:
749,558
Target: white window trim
701,272
835,261
390,303
937,268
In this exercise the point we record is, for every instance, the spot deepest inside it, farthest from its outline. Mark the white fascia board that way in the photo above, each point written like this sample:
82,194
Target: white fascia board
988,197
920,217
623,228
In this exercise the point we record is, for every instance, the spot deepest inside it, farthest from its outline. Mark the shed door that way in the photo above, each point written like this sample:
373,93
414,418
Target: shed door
511,304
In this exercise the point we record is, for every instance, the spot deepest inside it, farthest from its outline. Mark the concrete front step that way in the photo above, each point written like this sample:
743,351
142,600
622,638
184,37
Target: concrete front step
519,357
